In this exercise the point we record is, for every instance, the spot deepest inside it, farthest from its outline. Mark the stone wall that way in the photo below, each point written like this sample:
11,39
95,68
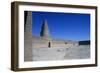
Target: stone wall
39,42
28,37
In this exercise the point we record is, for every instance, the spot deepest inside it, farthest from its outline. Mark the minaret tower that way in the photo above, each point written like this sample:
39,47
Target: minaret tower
44,30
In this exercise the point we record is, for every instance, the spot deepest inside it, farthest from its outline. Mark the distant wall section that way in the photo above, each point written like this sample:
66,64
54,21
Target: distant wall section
39,42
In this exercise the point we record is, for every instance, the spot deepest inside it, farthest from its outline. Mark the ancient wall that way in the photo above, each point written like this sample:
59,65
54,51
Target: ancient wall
28,37
63,44
39,42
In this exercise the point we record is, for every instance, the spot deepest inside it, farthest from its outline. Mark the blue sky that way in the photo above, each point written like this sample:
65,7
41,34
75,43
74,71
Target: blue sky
68,26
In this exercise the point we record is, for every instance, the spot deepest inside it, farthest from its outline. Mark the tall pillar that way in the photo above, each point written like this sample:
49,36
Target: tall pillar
44,30
28,36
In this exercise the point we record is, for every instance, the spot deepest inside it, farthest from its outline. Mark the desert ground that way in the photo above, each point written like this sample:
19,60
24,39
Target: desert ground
61,53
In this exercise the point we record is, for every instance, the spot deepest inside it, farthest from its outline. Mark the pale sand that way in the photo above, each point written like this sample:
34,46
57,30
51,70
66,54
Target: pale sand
61,53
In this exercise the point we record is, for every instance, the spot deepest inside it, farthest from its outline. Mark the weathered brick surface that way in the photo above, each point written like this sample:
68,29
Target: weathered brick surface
28,38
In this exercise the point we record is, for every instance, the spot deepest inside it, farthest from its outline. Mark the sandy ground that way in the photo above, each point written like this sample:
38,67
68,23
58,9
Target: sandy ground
61,53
